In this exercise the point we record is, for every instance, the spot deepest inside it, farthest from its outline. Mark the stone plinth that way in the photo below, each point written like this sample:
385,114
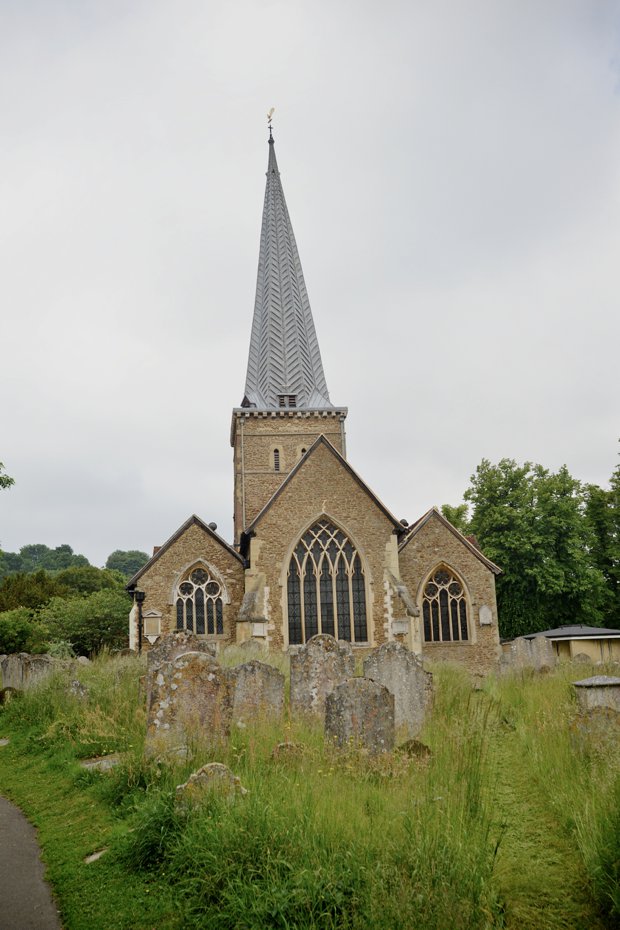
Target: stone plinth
359,714
402,673
316,669
599,691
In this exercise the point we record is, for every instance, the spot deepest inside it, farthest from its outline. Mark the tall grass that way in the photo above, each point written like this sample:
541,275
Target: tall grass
513,821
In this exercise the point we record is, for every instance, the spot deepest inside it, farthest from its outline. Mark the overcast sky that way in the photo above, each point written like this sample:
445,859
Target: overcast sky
452,171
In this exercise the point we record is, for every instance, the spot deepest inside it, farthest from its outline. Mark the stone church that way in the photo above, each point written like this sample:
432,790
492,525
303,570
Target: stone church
314,550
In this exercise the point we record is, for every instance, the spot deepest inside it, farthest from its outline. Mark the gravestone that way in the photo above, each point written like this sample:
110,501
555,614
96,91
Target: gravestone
536,654
213,778
258,692
22,671
190,701
359,714
403,674
316,669
168,649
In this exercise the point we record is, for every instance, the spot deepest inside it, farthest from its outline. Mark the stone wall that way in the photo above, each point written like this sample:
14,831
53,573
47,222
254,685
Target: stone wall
159,580
323,486
256,435
435,544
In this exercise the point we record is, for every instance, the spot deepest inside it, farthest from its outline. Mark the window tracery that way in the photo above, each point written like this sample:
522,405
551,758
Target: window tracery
326,588
199,604
444,608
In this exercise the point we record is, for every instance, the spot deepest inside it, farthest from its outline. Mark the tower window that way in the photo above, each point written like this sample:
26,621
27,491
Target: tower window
287,400
276,460
444,608
326,589
199,604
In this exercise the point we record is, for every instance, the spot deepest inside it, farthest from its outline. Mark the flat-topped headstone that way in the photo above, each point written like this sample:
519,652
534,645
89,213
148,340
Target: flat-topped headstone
598,691
190,701
316,669
258,692
403,674
359,714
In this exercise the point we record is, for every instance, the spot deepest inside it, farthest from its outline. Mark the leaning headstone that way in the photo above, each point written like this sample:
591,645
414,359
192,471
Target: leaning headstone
316,669
599,691
402,673
190,702
359,714
258,692
213,778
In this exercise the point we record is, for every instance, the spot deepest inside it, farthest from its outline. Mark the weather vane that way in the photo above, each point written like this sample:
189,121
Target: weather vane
269,118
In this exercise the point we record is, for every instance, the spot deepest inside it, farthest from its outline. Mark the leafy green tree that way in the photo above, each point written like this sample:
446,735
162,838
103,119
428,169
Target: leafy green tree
20,631
37,556
128,562
87,579
458,517
5,480
603,515
88,623
531,523
28,590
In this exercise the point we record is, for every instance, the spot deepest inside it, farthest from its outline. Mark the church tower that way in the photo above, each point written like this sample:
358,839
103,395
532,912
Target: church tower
286,404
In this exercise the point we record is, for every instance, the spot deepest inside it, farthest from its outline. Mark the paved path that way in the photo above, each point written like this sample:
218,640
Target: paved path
25,899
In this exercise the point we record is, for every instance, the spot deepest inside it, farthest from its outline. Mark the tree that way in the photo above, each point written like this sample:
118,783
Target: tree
458,517
531,523
87,579
5,480
128,562
36,556
28,590
21,632
88,623
603,515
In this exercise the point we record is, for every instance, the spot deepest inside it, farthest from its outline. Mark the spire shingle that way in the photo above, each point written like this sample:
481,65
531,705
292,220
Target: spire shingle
284,363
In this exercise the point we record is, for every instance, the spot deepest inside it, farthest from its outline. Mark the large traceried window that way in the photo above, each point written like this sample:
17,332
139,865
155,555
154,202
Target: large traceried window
199,604
444,608
326,588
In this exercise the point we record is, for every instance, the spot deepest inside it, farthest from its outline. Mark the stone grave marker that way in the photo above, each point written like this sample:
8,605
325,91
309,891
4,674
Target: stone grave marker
359,713
316,669
258,692
403,674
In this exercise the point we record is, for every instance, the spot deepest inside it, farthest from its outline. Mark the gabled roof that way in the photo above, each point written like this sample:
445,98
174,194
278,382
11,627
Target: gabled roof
321,440
284,357
433,512
576,631
169,542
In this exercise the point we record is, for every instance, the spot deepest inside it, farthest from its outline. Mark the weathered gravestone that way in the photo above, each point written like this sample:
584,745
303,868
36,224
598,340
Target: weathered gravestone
167,650
22,670
598,691
212,779
359,714
316,669
258,692
536,654
402,673
191,700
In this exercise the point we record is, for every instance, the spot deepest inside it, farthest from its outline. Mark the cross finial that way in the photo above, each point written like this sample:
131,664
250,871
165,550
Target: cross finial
269,118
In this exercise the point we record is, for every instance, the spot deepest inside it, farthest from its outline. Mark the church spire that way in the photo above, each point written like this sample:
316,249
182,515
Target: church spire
284,364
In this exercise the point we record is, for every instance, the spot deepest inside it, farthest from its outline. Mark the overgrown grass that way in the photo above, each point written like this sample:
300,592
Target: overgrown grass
513,822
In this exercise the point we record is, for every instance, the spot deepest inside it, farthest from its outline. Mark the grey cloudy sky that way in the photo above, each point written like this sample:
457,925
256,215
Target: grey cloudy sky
452,171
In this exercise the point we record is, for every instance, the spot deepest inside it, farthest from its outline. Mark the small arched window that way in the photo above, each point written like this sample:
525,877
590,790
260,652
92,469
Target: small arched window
199,604
326,589
276,460
444,608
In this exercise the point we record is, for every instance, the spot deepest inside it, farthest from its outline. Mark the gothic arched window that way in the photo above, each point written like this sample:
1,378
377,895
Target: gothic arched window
326,588
199,603
444,608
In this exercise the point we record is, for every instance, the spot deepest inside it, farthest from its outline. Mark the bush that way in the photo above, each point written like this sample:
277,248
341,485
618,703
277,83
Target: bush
20,632
88,623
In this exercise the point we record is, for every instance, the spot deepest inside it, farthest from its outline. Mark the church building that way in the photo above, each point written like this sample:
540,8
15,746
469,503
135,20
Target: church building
314,549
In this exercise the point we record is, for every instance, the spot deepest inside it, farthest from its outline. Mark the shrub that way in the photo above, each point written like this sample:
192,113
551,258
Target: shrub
20,632
89,623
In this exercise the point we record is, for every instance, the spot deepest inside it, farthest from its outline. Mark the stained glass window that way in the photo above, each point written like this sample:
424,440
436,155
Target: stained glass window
199,604
444,608
326,587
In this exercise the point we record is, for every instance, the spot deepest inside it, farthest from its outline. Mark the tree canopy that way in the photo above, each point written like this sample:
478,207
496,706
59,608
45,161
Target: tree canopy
5,480
38,556
128,562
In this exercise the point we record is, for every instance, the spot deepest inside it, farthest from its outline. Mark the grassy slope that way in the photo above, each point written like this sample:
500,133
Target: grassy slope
490,834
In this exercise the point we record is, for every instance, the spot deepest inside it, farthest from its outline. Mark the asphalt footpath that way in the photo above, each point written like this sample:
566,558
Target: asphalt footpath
26,901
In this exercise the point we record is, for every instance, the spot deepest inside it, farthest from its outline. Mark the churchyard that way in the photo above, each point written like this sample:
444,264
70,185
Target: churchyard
246,790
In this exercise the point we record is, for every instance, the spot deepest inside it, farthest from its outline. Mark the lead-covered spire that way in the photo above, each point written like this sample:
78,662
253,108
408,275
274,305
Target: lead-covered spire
284,364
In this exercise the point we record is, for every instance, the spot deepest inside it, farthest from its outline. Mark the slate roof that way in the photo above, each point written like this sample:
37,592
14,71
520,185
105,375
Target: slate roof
284,357
576,631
